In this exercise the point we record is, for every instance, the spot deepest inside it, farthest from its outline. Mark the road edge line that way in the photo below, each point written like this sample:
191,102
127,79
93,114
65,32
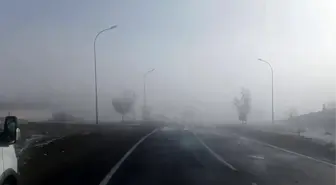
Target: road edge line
289,151
218,157
114,169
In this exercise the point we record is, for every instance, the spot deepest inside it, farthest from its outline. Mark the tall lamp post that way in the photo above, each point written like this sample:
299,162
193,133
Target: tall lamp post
95,67
272,87
144,89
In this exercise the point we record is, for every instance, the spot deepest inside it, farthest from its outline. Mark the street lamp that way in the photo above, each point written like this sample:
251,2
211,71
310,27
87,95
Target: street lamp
272,87
95,67
145,75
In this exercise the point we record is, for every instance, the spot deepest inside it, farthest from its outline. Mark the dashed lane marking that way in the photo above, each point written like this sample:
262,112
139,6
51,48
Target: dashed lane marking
116,167
218,157
285,150
294,153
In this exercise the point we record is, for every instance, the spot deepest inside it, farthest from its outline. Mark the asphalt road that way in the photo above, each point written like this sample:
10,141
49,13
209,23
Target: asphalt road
179,156
267,164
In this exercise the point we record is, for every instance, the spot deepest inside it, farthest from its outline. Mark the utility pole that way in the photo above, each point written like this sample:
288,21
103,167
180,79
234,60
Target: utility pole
144,89
272,87
95,68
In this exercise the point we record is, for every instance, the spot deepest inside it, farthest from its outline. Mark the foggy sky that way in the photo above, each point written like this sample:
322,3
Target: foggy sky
204,52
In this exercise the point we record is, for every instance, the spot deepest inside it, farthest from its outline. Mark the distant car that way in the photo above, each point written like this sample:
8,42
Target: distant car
8,159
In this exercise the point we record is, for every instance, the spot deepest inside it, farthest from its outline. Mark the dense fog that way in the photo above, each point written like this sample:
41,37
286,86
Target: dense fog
203,53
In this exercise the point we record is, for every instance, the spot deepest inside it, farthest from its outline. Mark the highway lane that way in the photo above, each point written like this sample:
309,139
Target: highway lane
271,165
170,155
176,156
81,158
200,156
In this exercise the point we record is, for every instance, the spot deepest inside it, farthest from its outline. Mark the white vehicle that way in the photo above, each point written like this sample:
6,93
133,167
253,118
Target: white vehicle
8,159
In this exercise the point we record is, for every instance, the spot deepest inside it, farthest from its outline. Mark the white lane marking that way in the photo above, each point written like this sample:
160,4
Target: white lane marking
218,157
116,166
256,157
288,151
47,142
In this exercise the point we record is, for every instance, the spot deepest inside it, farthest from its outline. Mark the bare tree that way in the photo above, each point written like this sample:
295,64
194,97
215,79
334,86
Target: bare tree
124,104
243,105
292,113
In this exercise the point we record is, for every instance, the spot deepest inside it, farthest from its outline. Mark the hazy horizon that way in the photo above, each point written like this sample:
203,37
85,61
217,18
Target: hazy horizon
203,53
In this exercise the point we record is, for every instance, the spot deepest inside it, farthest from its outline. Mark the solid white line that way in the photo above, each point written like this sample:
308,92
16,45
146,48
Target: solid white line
218,157
288,151
116,167
301,155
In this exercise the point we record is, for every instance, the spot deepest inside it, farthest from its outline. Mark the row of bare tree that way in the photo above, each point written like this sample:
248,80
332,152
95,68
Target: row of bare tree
124,104
243,105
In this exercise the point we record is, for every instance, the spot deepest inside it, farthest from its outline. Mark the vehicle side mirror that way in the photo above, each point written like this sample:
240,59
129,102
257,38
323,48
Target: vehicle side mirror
11,132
